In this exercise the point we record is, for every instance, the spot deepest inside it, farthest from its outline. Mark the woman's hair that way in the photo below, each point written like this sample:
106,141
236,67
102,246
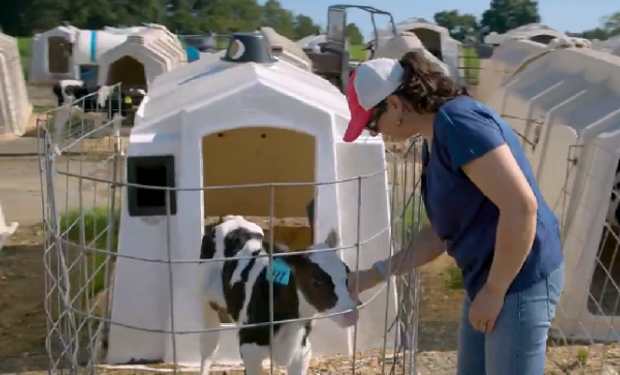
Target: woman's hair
424,87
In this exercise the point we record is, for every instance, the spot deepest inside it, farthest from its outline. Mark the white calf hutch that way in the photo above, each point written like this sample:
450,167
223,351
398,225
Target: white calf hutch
89,45
535,32
164,82
15,107
286,49
616,50
564,105
609,45
228,122
51,56
142,57
437,41
503,63
395,47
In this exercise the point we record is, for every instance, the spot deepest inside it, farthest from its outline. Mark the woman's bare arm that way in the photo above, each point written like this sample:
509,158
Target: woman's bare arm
424,248
499,177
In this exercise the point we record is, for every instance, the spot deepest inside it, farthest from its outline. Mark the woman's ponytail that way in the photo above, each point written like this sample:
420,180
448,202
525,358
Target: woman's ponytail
424,86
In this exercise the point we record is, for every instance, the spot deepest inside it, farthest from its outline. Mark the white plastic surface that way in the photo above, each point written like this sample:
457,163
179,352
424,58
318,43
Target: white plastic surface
528,31
610,45
156,48
312,42
286,49
39,72
7,229
450,48
15,107
395,47
506,58
451,55
123,30
90,44
616,50
565,106
421,23
214,96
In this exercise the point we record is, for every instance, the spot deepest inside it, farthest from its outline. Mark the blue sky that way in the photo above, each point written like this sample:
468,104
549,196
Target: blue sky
564,15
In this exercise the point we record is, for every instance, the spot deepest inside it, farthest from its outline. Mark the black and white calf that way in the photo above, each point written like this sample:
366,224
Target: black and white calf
304,285
96,104
107,100
64,90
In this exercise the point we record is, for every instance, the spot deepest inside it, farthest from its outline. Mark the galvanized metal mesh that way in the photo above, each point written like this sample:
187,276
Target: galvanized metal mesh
84,184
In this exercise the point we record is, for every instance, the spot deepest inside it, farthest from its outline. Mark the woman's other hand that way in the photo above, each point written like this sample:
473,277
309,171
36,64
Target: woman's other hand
362,280
485,308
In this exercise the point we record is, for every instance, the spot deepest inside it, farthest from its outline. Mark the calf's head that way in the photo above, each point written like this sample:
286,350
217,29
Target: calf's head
322,279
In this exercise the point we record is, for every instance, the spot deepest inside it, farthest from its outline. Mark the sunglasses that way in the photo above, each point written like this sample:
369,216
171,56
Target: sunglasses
377,112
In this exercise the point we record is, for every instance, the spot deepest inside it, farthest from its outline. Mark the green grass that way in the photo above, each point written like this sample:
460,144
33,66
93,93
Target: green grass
582,356
23,44
471,66
357,52
453,277
90,228
411,214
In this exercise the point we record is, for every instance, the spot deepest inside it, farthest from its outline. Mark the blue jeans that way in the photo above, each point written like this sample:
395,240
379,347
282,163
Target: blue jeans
518,342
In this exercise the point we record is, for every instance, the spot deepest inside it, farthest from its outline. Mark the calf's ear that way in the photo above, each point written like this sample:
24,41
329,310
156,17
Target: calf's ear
332,239
207,248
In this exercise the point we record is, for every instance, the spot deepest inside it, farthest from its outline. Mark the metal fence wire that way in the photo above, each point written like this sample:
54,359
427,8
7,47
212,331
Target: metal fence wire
84,184
83,179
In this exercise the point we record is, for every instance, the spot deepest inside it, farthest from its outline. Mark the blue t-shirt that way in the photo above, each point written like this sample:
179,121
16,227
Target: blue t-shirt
461,214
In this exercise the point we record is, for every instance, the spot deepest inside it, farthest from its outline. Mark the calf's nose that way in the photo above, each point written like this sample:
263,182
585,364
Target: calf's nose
349,319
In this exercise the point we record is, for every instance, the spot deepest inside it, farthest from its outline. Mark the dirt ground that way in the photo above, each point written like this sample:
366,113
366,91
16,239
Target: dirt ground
23,318
23,327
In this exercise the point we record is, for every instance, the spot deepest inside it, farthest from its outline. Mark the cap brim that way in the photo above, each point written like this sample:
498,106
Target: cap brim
359,119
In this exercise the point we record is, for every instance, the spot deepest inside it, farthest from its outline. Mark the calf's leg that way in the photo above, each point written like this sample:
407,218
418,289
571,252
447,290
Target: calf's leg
253,357
301,362
209,341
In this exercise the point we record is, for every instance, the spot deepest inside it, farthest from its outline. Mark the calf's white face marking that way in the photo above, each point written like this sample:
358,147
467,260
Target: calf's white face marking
229,224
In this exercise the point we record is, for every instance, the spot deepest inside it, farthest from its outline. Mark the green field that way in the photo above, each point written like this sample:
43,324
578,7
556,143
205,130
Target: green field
357,52
470,66
24,51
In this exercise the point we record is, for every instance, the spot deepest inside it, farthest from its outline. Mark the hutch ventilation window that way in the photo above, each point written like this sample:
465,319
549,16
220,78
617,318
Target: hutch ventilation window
156,171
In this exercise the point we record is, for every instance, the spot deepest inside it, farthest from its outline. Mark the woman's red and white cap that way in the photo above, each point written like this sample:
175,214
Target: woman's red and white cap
369,85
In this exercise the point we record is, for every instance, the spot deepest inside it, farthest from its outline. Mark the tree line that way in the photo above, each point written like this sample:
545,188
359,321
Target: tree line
505,15
25,17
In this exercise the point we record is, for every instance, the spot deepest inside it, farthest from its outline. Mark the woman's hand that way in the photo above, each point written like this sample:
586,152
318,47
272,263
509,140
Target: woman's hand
485,308
361,281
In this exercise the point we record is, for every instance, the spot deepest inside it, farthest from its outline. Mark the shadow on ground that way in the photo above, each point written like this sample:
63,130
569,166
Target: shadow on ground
447,331
22,312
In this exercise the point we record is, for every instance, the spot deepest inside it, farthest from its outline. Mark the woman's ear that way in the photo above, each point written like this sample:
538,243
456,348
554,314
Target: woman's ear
393,102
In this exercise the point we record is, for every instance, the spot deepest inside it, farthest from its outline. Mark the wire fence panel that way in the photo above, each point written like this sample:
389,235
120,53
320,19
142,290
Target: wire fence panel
86,188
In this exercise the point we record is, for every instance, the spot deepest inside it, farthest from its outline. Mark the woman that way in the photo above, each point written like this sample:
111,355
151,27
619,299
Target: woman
484,208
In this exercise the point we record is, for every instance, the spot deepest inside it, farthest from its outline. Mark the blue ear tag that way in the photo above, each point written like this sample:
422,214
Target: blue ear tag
281,272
